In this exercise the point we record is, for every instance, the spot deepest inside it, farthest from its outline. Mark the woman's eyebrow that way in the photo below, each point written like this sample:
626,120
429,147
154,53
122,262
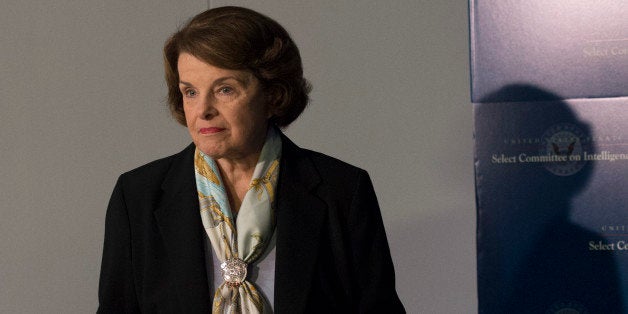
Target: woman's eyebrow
244,80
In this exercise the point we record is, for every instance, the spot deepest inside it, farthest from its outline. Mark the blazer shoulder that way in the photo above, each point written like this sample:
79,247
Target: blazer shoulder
150,174
336,176
304,163
331,166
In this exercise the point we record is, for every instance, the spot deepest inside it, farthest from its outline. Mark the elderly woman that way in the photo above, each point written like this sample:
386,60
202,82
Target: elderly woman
243,220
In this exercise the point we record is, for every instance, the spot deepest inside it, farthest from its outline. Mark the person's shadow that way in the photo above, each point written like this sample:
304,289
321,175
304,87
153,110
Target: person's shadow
531,257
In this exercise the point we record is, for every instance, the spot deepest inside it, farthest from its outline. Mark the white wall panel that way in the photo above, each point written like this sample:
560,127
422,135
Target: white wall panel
82,99
391,95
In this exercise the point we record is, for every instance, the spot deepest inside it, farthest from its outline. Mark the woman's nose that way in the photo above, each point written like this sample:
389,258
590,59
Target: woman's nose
209,108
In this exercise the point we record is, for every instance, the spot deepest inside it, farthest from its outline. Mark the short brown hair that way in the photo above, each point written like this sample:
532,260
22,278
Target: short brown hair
237,38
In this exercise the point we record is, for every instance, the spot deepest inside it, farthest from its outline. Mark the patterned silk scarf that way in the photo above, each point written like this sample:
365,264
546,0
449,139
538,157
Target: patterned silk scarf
239,242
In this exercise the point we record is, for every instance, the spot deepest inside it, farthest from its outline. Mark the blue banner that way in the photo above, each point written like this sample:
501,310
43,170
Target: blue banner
550,97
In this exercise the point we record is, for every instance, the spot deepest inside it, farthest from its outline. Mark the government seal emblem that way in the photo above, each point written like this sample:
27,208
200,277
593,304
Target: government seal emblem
564,144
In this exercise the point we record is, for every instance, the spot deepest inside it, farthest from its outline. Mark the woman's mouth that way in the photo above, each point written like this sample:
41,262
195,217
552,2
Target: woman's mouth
211,130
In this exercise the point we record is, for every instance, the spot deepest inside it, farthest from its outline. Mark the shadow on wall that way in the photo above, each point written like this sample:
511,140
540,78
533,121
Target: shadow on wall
531,258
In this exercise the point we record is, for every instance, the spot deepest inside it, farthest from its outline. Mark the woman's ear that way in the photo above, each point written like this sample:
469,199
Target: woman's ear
274,101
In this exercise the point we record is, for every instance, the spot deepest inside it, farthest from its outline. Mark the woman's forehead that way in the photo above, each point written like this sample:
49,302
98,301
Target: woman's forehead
193,68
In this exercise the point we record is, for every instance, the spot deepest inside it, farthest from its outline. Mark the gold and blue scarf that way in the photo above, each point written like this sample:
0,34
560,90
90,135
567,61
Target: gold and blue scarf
239,242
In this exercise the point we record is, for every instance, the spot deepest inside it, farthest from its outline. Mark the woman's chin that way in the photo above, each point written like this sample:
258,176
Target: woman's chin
211,152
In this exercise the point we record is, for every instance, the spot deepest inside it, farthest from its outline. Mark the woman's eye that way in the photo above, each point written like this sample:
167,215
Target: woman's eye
190,93
226,90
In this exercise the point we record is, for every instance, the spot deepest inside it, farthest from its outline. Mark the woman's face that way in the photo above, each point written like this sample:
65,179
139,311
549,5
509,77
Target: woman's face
226,112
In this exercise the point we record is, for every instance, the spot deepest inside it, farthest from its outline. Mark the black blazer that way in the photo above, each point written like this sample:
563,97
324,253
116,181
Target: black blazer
331,253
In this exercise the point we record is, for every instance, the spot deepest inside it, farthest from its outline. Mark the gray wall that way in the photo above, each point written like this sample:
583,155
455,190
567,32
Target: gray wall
83,100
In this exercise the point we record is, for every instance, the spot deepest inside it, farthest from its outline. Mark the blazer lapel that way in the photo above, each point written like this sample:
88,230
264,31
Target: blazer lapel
180,225
300,221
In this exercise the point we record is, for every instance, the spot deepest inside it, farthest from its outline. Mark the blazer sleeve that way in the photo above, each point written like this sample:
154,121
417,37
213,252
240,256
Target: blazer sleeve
371,255
116,291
